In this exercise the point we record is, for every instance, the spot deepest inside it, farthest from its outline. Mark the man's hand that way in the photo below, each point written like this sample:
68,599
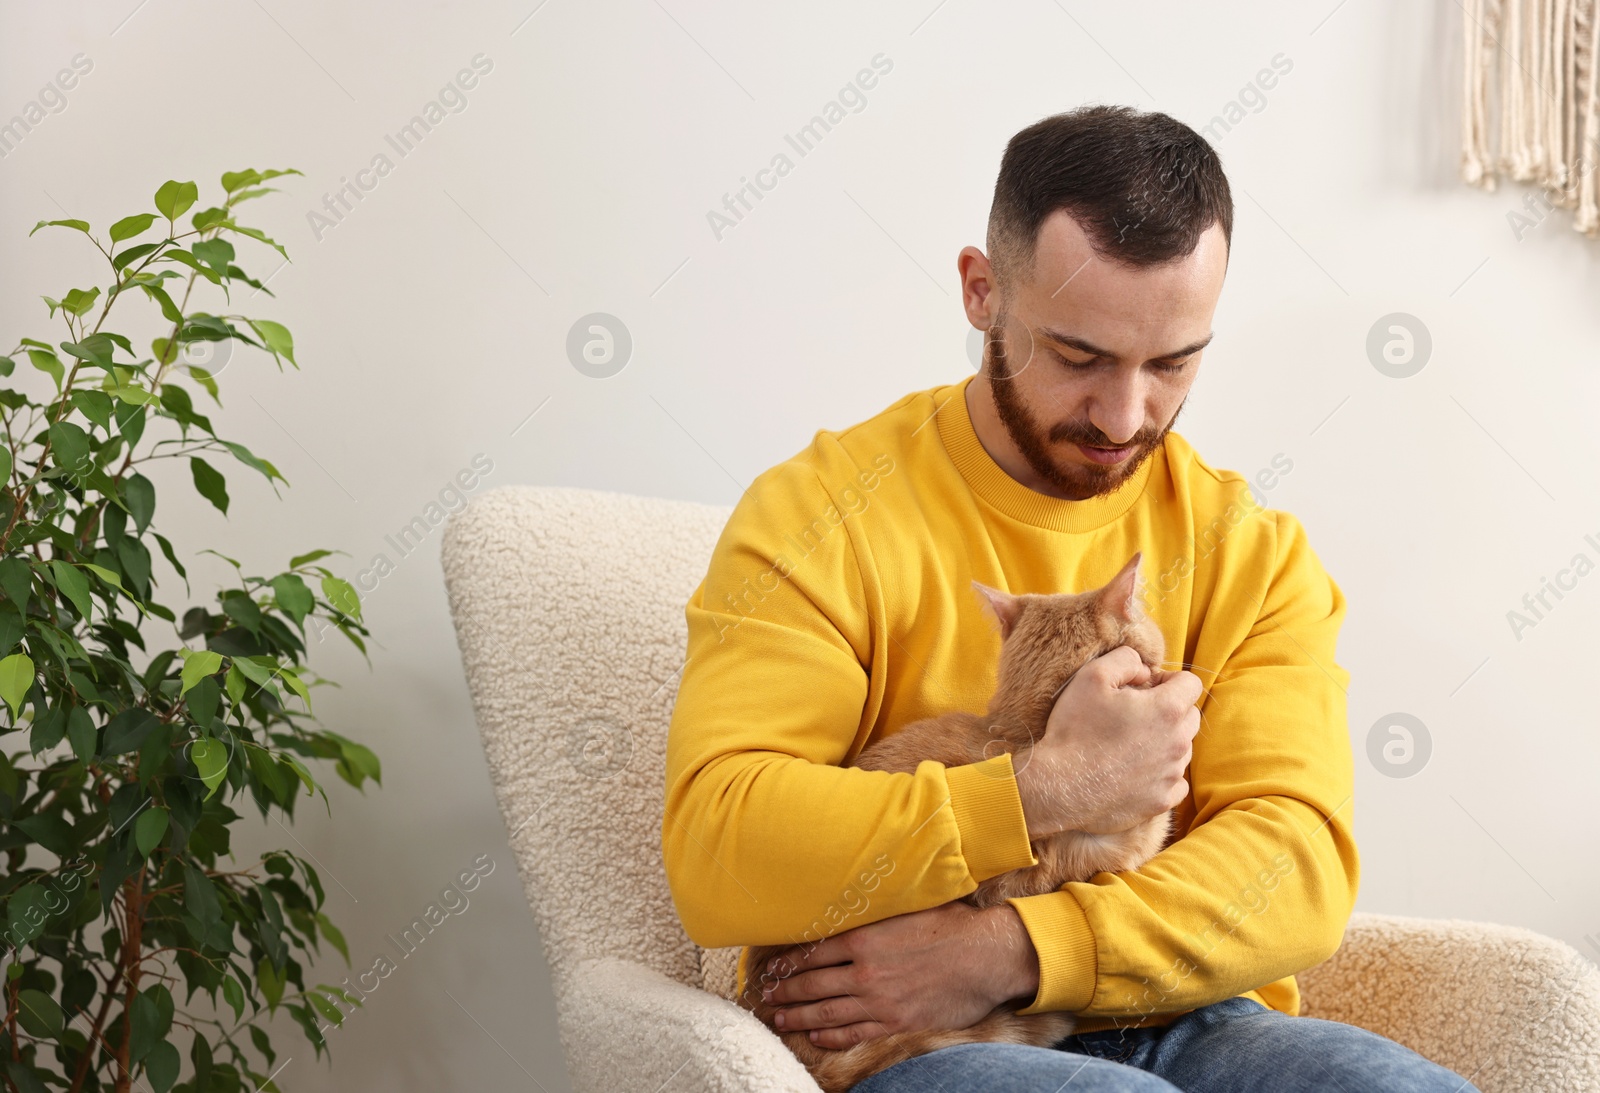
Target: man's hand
943,968
1114,750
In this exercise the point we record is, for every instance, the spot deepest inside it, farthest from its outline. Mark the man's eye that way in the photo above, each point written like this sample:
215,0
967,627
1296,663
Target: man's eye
1164,367
1071,363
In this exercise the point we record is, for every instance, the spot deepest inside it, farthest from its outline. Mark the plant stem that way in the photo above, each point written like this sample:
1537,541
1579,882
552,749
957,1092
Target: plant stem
94,1033
132,943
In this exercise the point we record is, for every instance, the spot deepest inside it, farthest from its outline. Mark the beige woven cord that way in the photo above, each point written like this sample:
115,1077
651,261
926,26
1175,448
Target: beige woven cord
1528,69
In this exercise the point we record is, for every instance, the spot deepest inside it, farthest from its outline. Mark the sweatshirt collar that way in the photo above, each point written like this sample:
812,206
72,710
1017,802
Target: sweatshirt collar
991,482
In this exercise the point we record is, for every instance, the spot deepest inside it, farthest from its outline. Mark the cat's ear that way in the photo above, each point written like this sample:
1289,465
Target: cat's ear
1003,606
1121,595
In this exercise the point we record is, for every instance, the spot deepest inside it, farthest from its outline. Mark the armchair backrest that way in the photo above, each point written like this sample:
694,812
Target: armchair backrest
569,613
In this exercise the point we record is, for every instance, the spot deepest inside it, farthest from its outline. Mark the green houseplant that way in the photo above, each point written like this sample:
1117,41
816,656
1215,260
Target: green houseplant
131,733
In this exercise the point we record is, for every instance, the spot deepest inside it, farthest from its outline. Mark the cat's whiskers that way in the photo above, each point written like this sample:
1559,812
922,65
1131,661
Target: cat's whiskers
1205,690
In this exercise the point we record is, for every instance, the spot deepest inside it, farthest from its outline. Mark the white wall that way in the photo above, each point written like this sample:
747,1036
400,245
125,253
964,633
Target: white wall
433,321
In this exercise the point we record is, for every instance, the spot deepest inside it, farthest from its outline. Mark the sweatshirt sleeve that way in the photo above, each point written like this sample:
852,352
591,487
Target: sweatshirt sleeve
1261,884
765,838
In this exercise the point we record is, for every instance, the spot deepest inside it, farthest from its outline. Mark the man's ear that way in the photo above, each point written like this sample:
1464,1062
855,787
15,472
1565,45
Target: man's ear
1005,608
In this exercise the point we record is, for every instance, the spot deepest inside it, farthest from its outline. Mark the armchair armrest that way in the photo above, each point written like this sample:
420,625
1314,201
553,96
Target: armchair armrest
626,1026
1508,1009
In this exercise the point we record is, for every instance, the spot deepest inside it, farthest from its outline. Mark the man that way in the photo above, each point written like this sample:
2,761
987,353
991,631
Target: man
838,607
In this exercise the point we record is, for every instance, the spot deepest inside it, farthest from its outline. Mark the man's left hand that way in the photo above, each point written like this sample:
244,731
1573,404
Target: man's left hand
943,968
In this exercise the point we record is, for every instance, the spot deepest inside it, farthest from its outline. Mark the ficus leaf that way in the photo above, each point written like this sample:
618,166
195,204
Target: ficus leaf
126,731
305,775
16,676
51,832
144,1017
326,1008
238,180
332,933
250,459
169,310
206,219
210,758
292,678
114,581
139,494
234,995
161,1066
216,253
338,592
149,829
78,301
363,759
128,255
255,233
174,198
96,352
277,338
69,449
130,226
197,664
76,225
46,361
200,897
203,699
73,585
27,910
39,1014
82,734
130,393
210,483
271,983
94,405
294,598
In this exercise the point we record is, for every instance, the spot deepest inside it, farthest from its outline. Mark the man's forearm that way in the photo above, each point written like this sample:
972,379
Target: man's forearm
1016,958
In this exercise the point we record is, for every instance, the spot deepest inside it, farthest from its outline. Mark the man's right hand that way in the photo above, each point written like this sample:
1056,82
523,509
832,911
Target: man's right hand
1114,751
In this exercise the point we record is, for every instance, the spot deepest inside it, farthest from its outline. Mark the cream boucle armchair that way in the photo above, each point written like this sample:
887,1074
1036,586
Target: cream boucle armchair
568,607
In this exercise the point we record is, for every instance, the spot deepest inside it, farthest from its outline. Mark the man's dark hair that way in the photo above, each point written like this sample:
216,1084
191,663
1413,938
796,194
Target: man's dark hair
1143,186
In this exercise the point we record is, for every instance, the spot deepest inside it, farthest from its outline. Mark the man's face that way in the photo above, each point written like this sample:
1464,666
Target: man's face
1089,362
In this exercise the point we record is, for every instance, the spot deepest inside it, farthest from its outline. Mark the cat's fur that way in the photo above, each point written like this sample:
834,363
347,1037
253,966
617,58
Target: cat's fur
1045,640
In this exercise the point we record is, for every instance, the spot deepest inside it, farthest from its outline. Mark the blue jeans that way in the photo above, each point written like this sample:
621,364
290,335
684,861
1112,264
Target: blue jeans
1234,1046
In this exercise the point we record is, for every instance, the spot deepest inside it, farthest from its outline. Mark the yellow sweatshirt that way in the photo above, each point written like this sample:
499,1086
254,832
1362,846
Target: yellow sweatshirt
837,608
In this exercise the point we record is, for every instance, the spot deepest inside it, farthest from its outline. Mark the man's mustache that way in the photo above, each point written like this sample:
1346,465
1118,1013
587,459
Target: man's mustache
1094,438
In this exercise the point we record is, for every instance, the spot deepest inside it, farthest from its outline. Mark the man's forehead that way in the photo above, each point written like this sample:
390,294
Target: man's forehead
1069,277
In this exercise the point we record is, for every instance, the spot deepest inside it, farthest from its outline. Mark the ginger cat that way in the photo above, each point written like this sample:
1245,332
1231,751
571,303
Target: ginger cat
1045,640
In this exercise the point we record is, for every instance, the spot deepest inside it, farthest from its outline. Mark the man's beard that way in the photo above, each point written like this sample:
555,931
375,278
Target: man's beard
1073,480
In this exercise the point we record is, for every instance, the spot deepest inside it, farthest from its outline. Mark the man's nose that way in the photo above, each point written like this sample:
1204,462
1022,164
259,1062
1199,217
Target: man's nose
1118,412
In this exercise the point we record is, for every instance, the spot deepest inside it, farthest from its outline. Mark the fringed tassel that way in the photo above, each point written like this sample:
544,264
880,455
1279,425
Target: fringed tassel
1529,75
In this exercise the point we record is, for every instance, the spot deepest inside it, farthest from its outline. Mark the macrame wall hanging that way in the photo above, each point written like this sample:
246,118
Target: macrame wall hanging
1529,104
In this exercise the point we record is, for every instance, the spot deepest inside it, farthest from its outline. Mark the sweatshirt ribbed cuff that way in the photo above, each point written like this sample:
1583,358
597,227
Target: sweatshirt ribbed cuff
988,811
1068,964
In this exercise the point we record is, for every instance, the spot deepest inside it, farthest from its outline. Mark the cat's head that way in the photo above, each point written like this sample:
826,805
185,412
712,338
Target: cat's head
1047,637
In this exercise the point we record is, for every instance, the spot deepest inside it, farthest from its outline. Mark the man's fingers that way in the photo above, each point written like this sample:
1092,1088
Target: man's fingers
833,1012
1191,724
808,987
848,1036
797,958
1121,667
1185,684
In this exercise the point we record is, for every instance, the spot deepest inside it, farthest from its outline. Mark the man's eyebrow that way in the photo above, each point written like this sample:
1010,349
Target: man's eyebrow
1085,346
